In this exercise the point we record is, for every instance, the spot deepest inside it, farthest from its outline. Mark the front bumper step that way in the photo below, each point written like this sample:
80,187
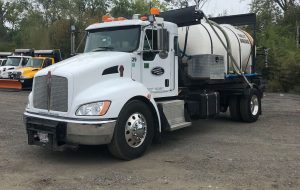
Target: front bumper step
55,134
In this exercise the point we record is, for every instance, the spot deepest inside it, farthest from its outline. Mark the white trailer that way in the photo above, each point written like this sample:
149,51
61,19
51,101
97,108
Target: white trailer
138,78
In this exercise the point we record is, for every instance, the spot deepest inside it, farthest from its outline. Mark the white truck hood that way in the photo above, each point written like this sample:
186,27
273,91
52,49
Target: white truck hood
4,70
86,70
86,62
7,68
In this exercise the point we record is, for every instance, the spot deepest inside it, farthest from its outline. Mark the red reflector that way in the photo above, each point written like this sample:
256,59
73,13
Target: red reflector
121,70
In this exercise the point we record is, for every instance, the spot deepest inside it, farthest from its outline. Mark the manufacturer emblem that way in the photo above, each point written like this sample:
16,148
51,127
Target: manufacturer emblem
158,71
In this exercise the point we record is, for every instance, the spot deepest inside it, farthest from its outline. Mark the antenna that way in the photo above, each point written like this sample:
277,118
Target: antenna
150,3
198,4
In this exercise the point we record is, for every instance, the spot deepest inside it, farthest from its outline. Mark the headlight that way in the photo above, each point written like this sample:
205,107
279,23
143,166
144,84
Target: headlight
93,109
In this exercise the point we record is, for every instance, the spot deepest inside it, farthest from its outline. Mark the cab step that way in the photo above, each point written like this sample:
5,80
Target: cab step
179,126
172,115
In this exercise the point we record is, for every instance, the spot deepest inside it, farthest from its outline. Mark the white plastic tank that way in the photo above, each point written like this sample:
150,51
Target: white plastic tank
203,40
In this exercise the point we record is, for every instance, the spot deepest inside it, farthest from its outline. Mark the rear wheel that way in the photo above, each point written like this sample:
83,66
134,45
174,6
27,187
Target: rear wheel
133,132
250,106
234,107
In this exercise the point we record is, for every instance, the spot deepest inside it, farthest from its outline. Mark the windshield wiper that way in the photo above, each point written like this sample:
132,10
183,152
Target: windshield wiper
103,48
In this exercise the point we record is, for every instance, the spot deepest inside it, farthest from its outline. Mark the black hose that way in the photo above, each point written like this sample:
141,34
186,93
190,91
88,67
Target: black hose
185,42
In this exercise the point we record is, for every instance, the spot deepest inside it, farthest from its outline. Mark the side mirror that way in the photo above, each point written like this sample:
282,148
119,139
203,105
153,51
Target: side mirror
163,39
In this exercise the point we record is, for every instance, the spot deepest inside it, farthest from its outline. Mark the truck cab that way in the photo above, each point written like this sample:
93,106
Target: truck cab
146,59
24,76
123,91
3,57
2,62
13,62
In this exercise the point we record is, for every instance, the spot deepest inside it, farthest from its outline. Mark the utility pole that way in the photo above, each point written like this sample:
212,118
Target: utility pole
73,30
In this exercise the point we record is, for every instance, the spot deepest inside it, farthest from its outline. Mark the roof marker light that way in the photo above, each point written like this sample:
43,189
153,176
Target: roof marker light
121,18
154,11
144,18
107,18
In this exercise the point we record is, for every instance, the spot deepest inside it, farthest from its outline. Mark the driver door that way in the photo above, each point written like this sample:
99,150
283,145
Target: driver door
156,65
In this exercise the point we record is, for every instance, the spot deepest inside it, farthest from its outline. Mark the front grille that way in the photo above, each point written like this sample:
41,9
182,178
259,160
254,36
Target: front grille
55,99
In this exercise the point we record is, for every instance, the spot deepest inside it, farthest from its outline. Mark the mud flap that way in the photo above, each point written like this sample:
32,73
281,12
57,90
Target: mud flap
10,84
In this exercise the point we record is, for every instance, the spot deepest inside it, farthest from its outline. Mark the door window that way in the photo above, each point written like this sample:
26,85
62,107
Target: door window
47,63
150,45
24,61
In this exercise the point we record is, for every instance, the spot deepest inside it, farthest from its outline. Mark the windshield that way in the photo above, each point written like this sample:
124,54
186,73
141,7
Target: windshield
13,61
36,63
124,39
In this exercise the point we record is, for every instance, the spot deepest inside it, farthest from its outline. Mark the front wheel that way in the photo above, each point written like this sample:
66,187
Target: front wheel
133,132
250,106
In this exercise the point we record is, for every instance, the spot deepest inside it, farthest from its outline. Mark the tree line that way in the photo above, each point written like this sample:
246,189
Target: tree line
278,21
45,24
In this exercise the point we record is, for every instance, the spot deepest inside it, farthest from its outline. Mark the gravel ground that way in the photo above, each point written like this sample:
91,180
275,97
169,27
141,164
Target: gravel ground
212,154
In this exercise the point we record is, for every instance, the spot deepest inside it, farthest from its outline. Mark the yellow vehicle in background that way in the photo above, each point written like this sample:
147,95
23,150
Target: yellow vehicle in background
22,78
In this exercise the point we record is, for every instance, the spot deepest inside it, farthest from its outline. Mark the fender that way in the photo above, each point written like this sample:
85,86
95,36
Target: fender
117,90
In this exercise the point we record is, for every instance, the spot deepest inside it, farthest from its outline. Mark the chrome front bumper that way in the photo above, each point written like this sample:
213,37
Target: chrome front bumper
64,131
90,134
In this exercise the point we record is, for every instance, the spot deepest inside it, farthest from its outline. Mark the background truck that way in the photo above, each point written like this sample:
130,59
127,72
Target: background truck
3,57
19,59
2,61
22,77
140,77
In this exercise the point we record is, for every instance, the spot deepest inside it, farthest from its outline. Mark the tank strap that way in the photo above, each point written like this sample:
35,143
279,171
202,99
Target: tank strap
252,49
240,49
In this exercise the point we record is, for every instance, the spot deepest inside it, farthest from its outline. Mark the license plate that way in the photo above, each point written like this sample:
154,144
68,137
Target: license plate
44,137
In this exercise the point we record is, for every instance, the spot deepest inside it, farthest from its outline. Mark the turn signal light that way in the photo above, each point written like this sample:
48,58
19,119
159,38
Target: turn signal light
144,18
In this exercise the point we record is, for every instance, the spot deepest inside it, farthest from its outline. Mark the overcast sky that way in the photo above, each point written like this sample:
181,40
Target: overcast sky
216,7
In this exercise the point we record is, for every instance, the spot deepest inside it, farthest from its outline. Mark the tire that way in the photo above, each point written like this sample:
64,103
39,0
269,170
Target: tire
250,106
134,131
234,108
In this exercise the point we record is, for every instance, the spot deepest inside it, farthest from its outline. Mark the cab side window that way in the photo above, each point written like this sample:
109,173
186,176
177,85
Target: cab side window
47,63
150,45
24,61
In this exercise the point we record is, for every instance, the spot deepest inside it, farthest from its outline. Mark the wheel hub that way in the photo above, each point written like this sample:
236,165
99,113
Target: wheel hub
135,130
254,105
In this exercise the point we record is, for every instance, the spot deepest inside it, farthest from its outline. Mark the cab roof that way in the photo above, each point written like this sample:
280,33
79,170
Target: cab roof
117,23
42,58
19,56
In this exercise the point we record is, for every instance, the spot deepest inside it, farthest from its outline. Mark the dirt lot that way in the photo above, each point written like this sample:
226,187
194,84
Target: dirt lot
212,154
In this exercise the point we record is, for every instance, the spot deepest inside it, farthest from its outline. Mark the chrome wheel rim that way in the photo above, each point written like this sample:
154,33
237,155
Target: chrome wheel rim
135,130
254,105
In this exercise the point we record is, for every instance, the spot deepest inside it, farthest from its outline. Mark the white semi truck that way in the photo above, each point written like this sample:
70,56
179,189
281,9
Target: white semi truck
138,78
19,59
